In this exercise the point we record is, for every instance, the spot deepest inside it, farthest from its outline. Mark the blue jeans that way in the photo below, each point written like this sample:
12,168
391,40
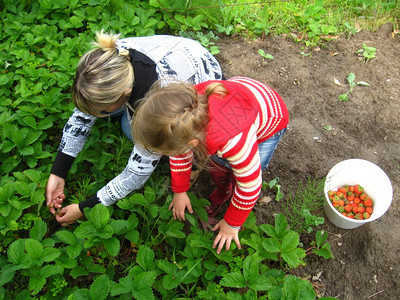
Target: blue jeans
125,125
266,149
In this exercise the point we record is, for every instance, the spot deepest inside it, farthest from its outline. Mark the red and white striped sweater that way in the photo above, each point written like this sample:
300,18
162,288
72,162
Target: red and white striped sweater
249,114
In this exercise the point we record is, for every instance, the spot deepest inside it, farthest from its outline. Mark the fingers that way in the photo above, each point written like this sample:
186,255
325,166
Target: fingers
220,240
178,214
216,227
189,207
237,242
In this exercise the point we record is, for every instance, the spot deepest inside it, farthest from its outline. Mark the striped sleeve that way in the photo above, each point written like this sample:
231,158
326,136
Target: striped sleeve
181,167
242,154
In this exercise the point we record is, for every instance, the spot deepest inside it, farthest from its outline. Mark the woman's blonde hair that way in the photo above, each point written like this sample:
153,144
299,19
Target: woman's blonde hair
169,117
102,76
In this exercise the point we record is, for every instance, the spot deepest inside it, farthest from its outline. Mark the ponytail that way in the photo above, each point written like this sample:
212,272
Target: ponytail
102,76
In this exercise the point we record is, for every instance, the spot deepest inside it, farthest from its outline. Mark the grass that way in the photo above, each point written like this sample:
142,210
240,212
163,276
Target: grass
303,207
312,22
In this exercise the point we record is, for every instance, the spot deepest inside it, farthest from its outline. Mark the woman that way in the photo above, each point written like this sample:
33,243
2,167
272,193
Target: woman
109,80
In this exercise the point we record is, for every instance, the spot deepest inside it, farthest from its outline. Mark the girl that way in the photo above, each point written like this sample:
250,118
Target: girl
238,121
109,80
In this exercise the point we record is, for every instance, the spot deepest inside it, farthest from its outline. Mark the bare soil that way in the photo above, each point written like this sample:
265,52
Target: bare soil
367,259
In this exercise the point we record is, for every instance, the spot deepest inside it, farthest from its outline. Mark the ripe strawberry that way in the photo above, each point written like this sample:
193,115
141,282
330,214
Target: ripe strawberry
355,209
366,215
363,196
368,202
361,209
369,209
356,200
347,208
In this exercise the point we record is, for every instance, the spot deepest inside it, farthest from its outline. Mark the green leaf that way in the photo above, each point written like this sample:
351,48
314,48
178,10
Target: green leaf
149,194
145,258
133,221
269,230
32,137
234,280
99,216
260,283
250,268
170,282
280,225
133,236
38,230
50,254
297,288
7,273
351,78
290,241
143,283
26,151
173,229
320,237
100,288
16,253
167,267
119,226
324,252
44,124
79,271
66,236
36,284
363,83
271,245
30,121
112,245
85,230
74,250
343,97
34,249
294,257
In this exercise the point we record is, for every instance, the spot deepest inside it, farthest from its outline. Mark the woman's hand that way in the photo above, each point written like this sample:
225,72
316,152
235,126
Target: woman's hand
55,193
178,206
225,236
68,215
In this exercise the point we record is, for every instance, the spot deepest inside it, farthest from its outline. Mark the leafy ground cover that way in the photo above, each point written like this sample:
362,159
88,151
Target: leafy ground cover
134,249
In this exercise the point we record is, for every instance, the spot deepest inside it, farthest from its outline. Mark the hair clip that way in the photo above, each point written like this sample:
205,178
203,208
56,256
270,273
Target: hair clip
117,50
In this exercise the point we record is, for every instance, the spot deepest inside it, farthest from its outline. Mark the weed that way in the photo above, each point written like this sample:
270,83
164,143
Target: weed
301,206
367,53
274,184
351,80
265,55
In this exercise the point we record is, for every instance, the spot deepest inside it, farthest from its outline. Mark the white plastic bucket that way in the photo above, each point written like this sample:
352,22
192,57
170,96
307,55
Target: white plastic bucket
371,177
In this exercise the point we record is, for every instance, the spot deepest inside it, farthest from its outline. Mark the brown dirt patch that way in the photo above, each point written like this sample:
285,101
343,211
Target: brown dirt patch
367,126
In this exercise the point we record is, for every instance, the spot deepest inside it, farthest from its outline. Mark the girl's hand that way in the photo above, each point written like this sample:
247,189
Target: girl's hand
55,193
179,204
225,235
68,215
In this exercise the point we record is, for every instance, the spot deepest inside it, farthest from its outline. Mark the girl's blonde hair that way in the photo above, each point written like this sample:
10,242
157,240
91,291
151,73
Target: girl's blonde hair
169,117
102,76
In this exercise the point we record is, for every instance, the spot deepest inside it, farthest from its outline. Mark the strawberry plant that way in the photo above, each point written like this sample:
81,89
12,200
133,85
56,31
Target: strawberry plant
352,83
367,53
133,249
